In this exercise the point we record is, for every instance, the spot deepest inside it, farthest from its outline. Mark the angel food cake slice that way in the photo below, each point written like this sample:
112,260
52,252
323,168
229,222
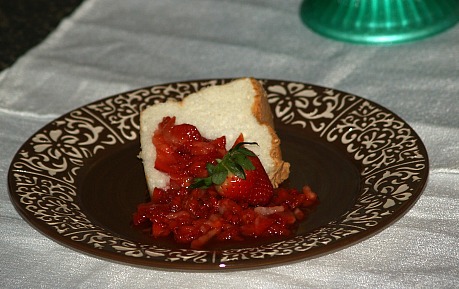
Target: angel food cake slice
213,166
232,109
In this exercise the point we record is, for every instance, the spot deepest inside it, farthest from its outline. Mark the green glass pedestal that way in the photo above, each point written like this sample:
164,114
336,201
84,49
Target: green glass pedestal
379,21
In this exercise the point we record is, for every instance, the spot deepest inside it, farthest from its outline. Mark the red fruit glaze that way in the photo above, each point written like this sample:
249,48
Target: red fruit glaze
233,211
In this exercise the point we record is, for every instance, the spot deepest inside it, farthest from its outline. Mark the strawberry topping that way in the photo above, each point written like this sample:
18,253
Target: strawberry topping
239,176
183,153
214,194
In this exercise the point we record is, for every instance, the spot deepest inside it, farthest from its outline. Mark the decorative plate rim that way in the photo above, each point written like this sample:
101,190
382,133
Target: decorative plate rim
43,175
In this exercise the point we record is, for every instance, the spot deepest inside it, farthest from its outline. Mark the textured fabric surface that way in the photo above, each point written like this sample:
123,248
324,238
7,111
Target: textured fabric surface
111,46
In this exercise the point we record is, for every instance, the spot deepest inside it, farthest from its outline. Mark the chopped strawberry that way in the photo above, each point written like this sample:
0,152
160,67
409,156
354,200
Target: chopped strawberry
259,227
183,134
204,239
215,194
160,230
182,152
186,233
230,232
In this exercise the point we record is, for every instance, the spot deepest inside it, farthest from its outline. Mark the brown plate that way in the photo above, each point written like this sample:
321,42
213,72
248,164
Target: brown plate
78,179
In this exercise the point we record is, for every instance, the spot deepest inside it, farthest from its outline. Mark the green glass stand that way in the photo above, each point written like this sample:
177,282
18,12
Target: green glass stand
379,21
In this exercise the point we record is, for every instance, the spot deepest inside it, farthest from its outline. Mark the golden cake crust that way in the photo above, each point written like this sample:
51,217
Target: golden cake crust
262,111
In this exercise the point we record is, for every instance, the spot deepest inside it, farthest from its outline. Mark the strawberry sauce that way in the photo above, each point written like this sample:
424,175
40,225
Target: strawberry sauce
198,216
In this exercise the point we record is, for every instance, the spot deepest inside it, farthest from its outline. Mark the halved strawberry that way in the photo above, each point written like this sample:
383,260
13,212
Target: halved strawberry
239,176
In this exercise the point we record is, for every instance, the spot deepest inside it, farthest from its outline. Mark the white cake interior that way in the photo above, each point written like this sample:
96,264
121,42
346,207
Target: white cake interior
215,111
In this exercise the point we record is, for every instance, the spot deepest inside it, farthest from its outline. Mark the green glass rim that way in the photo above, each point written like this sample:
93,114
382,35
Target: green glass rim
331,21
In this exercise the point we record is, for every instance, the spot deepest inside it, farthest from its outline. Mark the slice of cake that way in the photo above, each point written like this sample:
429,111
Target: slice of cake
232,109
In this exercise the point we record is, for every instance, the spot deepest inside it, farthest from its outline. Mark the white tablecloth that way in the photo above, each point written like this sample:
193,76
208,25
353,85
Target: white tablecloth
111,46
